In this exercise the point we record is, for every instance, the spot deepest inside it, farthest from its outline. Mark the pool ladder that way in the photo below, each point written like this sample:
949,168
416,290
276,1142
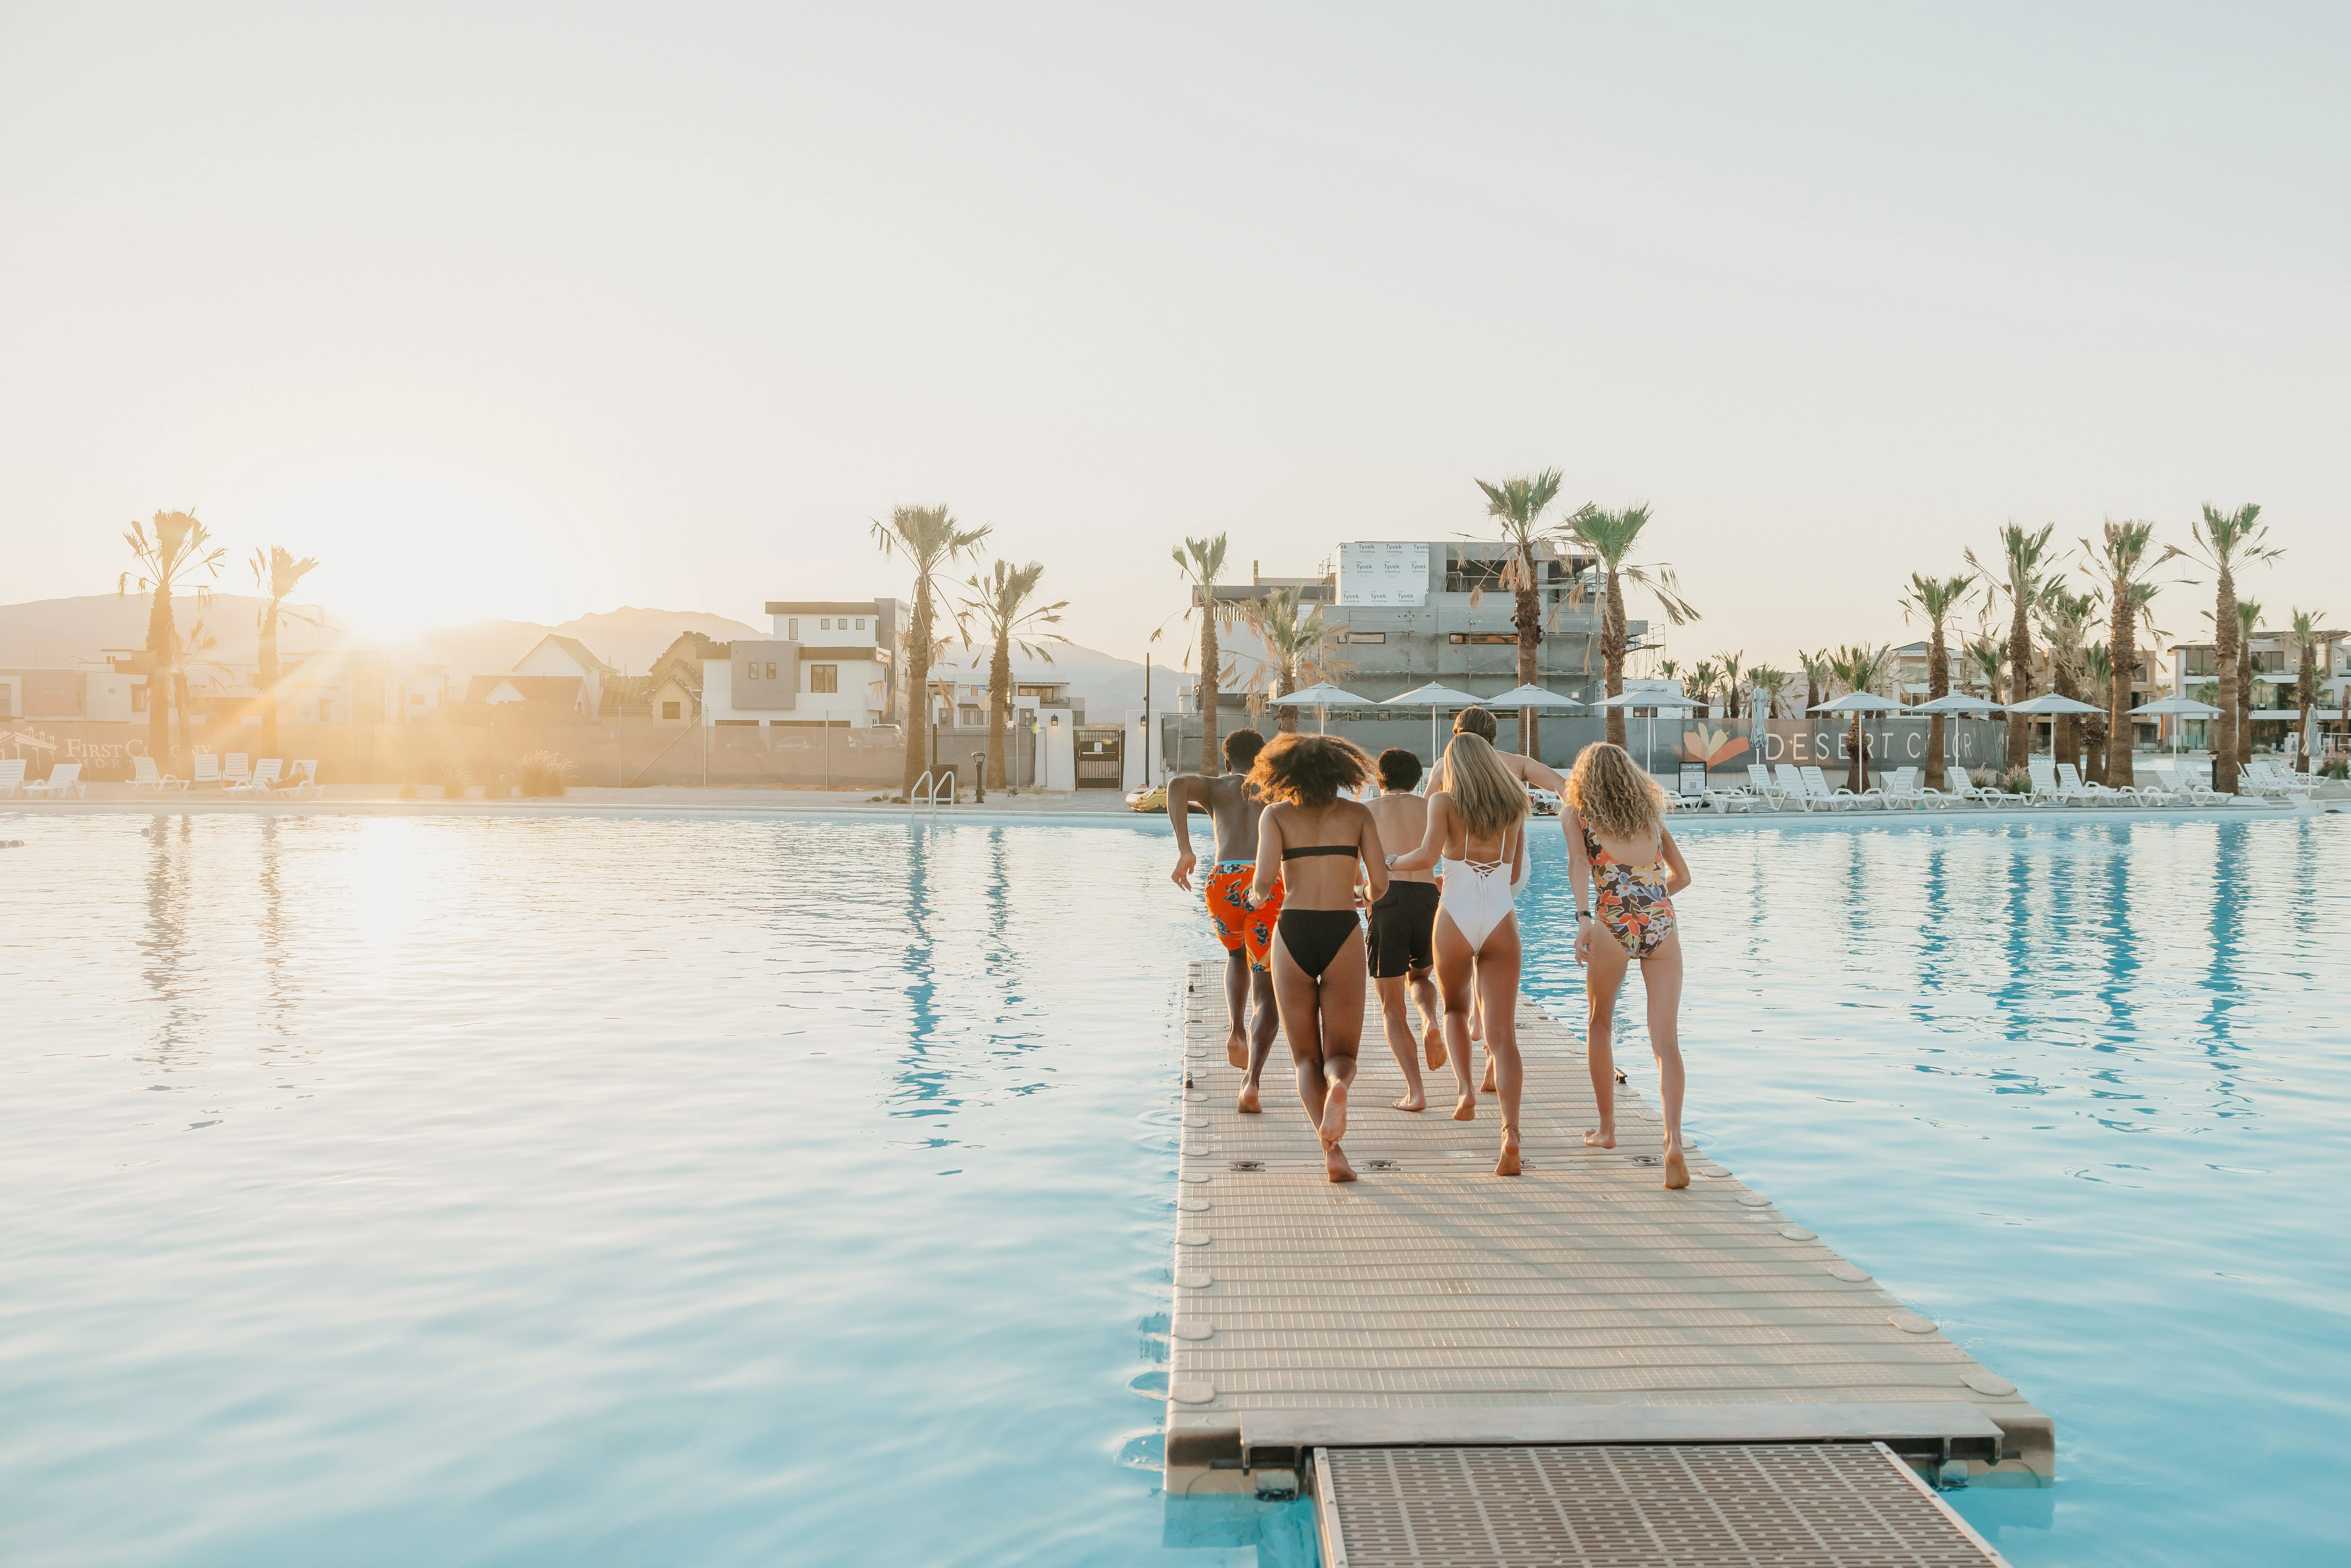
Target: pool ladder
928,788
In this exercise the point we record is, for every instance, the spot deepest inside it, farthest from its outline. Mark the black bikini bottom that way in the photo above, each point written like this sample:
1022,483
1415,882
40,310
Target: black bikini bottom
1315,935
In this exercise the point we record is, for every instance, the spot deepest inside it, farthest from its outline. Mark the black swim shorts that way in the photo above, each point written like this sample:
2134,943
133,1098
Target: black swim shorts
1402,930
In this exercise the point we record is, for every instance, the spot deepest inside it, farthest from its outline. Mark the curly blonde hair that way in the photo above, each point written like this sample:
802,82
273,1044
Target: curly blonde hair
1616,797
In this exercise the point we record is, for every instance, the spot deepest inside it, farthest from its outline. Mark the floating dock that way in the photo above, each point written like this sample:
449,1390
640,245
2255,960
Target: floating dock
1435,1315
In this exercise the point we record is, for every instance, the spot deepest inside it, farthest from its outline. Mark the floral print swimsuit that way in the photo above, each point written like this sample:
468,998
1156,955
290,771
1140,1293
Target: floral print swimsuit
1629,900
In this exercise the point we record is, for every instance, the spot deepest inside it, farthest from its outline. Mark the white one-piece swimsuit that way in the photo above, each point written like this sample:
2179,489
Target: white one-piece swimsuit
1479,894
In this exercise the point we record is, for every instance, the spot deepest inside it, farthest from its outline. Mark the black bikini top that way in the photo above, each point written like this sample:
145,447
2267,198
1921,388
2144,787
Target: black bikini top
1318,850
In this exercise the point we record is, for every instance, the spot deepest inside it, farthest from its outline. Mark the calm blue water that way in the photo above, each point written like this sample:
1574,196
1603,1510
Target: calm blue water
641,1191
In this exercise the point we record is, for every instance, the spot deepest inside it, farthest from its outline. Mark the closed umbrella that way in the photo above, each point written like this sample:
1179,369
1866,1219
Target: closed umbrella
1434,696
1527,696
1321,696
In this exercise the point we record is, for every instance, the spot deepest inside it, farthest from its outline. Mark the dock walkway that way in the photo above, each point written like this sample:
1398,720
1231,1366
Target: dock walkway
1432,1303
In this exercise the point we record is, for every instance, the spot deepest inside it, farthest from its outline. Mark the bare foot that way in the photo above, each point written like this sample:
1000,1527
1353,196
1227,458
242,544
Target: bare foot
1411,1102
1600,1138
1334,1115
1676,1171
1246,1103
1487,1086
1335,1166
1466,1109
1432,1045
1236,1049
1508,1164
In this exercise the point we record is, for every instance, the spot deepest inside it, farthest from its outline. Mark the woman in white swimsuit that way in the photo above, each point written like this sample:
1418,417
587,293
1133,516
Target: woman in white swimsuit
1478,827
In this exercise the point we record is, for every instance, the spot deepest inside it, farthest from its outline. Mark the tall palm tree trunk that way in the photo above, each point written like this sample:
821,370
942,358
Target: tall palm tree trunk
2066,734
918,691
1527,616
1939,685
999,707
1285,682
2122,640
267,678
1857,776
2019,685
2244,701
2224,668
1212,756
1611,656
163,637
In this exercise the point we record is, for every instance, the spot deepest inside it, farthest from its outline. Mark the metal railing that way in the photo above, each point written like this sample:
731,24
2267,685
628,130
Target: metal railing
928,788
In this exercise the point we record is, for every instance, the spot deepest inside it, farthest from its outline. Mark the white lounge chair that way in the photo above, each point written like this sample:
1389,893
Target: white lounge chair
265,774
1817,792
145,775
65,778
2264,779
208,769
235,769
2071,787
2188,790
1792,787
1904,790
306,781
2046,791
1759,782
11,775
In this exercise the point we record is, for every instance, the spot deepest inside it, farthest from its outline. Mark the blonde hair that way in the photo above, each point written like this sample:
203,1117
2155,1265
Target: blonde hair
1613,795
1486,795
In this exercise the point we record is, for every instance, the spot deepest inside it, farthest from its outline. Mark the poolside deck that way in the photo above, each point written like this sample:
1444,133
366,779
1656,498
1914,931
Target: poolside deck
1432,1303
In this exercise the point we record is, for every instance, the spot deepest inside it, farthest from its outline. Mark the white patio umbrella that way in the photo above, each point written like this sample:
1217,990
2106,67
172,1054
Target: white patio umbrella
1321,696
1861,702
2053,706
1959,704
1527,696
1433,696
2177,707
1656,702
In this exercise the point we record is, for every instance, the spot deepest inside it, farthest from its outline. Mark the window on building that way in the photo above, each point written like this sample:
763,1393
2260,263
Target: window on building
771,672
792,630
750,672
825,624
1362,636
861,624
2199,661
669,710
1459,637
824,677
970,718
2270,664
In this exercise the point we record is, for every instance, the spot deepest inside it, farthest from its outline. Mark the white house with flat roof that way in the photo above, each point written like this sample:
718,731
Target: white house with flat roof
827,661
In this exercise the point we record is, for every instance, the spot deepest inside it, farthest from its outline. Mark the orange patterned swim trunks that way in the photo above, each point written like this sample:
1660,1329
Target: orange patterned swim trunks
1239,927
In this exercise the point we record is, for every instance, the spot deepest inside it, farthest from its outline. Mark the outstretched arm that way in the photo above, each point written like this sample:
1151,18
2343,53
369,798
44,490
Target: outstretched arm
1269,857
1432,847
1375,858
1541,775
1579,881
1180,791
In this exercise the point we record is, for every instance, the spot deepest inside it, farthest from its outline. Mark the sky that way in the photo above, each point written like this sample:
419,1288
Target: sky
531,310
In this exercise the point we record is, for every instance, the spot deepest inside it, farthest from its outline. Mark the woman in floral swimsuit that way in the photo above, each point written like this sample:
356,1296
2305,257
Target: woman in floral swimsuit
1621,843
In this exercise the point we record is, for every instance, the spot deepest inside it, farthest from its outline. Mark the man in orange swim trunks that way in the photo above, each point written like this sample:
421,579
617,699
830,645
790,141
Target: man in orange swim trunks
1246,933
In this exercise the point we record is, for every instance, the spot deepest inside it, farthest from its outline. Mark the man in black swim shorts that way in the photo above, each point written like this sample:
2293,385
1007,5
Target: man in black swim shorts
1399,945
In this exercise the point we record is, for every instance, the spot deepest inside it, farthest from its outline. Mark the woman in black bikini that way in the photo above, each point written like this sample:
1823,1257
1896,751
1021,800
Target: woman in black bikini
1309,841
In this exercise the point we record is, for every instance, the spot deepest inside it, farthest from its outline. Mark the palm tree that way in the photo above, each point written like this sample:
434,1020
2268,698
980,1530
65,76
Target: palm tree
1816,676
1293,643
2022,576
1988,660
1699,686
1858,668
1766,682
175,551
2305,682
2130,598
1001,603
2065,618
930,538
1734,671
2225,542
2098,672
276,573
1612,536
196,640
1201,562
1519,505
2248,615
1935,598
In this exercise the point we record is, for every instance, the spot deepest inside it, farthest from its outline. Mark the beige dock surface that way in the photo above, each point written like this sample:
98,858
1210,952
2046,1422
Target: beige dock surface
1434,1302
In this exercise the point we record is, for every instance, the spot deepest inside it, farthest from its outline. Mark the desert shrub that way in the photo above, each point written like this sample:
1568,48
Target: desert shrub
2018,781
2338,769
544,774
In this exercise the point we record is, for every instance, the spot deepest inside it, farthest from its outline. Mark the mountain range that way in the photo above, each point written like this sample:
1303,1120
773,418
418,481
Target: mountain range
81,631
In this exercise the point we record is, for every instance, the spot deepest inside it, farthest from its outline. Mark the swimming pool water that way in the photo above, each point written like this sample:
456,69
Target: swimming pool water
643,1190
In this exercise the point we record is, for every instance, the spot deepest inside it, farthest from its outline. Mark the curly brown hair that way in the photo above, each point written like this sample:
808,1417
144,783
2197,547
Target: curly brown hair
1616,797
1310,771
